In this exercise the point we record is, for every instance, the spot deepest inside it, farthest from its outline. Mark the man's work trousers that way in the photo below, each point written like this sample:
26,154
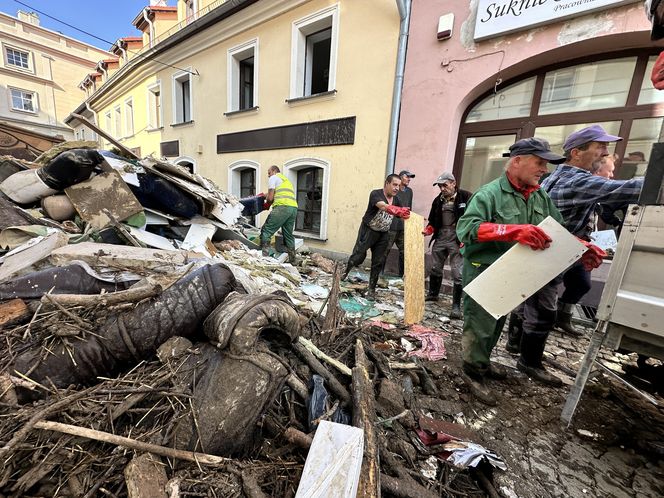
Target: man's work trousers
396,237
577,283
481,331
280,217
377,242
443,247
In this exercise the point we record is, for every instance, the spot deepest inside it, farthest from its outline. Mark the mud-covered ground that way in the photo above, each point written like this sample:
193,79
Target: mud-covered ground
614,446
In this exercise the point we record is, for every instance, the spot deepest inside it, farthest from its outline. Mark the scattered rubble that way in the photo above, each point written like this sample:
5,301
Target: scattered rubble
149,349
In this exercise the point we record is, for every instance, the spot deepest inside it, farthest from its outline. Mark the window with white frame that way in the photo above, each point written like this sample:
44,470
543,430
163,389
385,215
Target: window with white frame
310,177
129,117
109,122
17,58
243,76
314,53
154,106
243,181
182,98
23,100
190,10
117,121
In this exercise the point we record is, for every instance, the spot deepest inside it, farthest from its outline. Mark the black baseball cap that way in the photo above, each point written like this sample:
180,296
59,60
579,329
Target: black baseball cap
536,147
407,173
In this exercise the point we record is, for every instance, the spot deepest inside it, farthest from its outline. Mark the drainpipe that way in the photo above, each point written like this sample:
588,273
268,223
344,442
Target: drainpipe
124,53
94,119
404,7
147,20
100,66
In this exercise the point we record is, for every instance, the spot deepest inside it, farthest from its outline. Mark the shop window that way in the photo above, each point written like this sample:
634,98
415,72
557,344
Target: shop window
129,117
649,94
511,102
182,98
309,193
483,160
17,58
154,107
615,93
23,100
242,76
643,134
314,54
598,85
556,135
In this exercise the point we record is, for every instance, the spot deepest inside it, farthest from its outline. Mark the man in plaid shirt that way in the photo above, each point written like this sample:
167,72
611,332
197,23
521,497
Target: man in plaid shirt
575,191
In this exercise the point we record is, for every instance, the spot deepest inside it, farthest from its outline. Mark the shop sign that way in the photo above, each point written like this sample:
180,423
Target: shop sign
499,17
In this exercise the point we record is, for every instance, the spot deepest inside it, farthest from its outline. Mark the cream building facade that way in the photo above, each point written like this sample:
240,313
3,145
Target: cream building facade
230,88
39,75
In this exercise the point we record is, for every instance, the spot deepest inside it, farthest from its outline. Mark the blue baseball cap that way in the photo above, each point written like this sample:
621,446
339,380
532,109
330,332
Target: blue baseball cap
594,133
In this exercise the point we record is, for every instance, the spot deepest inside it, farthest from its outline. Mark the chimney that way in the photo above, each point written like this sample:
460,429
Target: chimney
29,17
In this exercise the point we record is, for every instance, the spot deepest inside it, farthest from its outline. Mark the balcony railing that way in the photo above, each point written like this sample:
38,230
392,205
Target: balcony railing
177,27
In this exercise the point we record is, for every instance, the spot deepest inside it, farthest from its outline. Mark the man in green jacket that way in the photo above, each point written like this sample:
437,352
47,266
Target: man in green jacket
501,213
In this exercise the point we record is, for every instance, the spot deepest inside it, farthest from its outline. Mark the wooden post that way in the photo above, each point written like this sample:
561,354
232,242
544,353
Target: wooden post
414,269
331,314
364,416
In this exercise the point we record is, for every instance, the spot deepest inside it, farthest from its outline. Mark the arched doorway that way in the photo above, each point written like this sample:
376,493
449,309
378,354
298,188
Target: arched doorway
611,90
186,162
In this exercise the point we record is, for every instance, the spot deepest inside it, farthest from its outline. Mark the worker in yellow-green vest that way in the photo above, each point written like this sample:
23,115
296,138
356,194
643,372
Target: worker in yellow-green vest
281,197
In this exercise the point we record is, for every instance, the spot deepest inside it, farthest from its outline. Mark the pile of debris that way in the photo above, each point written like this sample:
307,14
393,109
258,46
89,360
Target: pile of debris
149,349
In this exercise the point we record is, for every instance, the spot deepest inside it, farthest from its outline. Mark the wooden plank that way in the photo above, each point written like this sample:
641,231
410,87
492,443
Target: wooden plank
101,132
11,311
104,191
414,269
521,272
146,477
35,251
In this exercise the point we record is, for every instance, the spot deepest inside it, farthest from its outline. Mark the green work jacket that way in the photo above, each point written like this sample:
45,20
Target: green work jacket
498,202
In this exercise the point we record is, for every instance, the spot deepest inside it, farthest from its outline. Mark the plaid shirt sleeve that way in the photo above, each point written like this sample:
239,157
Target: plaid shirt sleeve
576,193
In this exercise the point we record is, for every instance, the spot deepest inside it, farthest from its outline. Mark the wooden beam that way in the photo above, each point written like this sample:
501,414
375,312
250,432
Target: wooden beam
414,269
101,132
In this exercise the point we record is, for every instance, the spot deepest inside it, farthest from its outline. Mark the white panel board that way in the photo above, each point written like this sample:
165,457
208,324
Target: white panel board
332,469
521,272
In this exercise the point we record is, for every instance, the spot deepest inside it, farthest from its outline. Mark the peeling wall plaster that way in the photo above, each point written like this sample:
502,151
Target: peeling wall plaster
584,28
468,27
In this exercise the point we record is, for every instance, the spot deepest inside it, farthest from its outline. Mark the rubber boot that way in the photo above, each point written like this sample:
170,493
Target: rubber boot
265,247
477,386
456,314
514,332
564,319
435,282
371,290
530,361
292,259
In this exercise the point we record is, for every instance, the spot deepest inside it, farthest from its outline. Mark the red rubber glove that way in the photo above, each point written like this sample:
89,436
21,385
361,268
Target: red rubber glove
266,205
428,230
593,257
528,235
657,75
399,212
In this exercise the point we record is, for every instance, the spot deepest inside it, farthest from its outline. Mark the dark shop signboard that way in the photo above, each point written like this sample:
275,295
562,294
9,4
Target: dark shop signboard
499,17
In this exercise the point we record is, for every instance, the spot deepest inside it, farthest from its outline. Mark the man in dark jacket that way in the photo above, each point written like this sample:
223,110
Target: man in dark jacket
372,235
445,211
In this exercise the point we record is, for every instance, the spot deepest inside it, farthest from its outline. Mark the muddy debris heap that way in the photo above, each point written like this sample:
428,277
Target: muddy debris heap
150,350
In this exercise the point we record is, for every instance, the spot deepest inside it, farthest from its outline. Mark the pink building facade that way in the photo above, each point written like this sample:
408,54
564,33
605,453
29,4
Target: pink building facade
519,68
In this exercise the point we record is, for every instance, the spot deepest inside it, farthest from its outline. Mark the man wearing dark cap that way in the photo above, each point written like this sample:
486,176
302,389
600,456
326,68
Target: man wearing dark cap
576,192
500,214
395,235
372,234
446,209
